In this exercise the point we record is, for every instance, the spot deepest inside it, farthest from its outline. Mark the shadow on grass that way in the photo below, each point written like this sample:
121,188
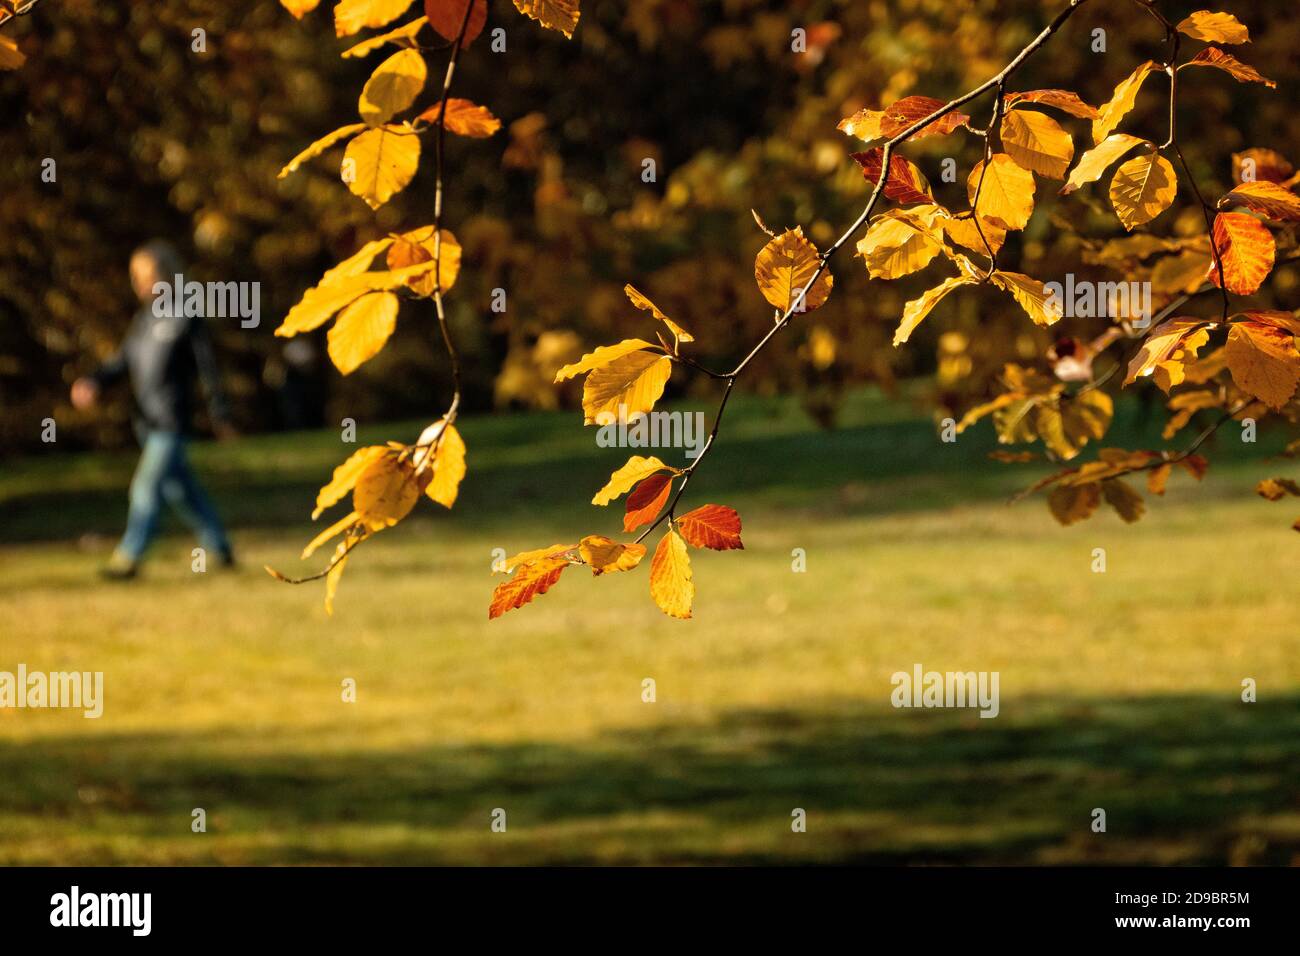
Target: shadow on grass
1186,779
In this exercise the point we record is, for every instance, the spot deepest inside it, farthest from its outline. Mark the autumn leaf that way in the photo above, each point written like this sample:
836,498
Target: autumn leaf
1063,100
1142,189
419,246
447,16
559,15
1126,501
1094,163
643,302
335,575
1037,142
647,500
1267,199
392,87
11,58
601,356
530,579
361,330
352,16
1031,294
635,469
1006,194
445,444
1067,426
345,477
711,526
318,147
1275,489
464,118
901,242
403,34
982,235
868,124
1167,349
299,8
528,557
916,310
906,183
383,162
1071,503
319,304
1246,250
604,555
1263,361
787,264
625,387
1214,27
1241,72
1125,96
385,493
671,584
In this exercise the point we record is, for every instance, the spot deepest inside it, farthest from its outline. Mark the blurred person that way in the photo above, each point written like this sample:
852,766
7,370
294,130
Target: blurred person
162,355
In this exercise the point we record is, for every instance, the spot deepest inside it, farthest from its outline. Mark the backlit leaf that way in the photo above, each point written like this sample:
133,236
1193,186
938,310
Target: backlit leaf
1006,194
1031,294
784,266
625,387
447,16
711,526
420,245
385,493
643,302
361,330
601,356
405,33
345,477
1263,361
622,480
671,584
647,500
1212,56
318,147
384,161
604,555
1246,249
901,242
1266,198
1110,114
559,15
1166,350
1094,163
906,183
1063,100
464,118
1143,188
531,579
392,87
1037,142
916,310
352,16
445,444
1214,27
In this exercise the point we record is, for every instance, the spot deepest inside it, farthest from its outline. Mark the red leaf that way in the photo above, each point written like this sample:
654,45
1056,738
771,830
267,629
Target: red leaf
905,184
647,500
711,526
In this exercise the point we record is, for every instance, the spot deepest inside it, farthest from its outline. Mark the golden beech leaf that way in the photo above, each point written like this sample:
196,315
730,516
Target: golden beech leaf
625,387
345,477
531,579
604,555
1037,142
974,235
1158,478
902,115
1263,361
1063,100
464,118
318,147
333,531
420,245
906,183
1214,27
671,584
901,242
632,471
1142,189
1124,498
1065,427
447,16
352,16
1031,294
711,526
392,87
1094,163
1006,193
1241,72
1267,199
341,555
444,443
1167,349
300,8
601,356
916,310
320,303
1185,405
528,557
1246,249
1071,503
1110,115
784,266
385,493
361,330
11,58
647,500
403,34
383,163
643,302
559,15
1275,489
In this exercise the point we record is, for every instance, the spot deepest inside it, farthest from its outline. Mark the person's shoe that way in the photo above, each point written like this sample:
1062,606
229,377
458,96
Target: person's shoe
119,568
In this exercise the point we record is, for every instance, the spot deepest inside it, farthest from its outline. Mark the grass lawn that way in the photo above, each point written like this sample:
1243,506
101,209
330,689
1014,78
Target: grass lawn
1118,690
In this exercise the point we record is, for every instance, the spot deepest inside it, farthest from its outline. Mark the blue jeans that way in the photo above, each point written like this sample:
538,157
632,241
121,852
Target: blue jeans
164,474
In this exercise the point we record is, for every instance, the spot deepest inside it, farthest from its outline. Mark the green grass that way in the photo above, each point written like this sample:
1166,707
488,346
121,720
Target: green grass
1118,690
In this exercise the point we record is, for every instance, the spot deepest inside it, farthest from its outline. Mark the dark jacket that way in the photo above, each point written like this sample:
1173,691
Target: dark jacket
162,356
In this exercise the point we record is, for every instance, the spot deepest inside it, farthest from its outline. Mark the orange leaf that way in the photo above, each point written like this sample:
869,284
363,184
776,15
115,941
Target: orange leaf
1263,361
901,115
1266,198
906,184
671,584
647,500
1246,248
446,17
1063,100
530,580
1241,72
464,118
712,526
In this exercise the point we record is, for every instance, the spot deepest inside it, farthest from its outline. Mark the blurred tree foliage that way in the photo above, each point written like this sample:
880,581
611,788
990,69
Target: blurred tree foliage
152,138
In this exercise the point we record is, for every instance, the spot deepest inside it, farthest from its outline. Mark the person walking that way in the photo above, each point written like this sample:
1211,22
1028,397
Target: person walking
162,356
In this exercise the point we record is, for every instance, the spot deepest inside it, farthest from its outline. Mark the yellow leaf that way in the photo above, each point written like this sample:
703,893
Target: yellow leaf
1007,193
559,15
1096,161
643,302
1214,27
865,124
345,477
392,87
916,310
601,356
11,58
901,242
406,32
362,330
341,555
1121,102
605,555
1063,100
1037,142
464,118
322,301
671,585
1169,346
332,531
1142,189
448,461
784,266
528,557
621,481
625,387
383,162
1066,426
318,147
966,232
420,245
1212,56
1263,361
1031,294
299,8
385,493
351,16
